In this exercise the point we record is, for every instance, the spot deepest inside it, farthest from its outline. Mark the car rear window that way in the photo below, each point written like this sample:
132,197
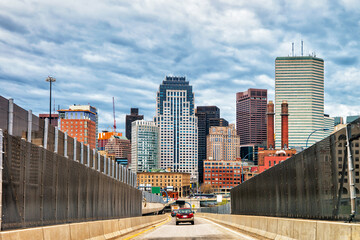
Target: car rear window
184,211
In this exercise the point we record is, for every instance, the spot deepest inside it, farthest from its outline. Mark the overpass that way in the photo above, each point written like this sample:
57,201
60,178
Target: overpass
53,187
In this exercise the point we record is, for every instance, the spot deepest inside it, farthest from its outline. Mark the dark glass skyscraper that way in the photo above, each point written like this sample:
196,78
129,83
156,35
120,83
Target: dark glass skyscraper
134,115
207,116
251,116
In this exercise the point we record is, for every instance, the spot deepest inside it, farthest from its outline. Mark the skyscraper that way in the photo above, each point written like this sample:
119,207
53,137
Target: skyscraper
178,125
204,114
251,116
300,82
144,146
223,143
80,121
134,115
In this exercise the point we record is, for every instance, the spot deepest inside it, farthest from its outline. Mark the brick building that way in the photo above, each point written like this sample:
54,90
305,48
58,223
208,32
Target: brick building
103,138
180,182
80,121
119,148
222,175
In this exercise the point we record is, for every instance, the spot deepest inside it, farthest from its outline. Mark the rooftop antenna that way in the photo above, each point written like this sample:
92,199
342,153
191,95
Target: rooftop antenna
292,49
302,48
114,114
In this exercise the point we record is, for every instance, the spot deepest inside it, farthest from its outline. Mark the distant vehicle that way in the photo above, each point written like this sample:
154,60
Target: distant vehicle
185,215
174,209
174,212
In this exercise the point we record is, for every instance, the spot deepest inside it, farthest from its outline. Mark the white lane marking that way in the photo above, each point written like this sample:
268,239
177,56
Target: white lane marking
228,229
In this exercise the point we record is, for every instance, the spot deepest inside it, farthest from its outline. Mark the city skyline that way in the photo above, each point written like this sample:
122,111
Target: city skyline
125,50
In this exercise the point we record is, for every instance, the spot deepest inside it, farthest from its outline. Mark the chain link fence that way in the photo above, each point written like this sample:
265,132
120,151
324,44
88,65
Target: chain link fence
222,209
153,198
50,178
44,188
313,184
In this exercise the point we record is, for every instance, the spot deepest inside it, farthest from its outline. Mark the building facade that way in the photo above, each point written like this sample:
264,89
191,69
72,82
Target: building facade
300,82
328,124
338,120
134,115
222,175
207,116
175,117
54,118
223,143
178,182
80,121
119,149
270,158
103,139
349,119
251,116
144,146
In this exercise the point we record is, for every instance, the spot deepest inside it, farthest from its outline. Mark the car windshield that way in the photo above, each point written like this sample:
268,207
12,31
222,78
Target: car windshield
184,211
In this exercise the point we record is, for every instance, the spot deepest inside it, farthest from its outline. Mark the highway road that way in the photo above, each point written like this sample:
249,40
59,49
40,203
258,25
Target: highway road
202,229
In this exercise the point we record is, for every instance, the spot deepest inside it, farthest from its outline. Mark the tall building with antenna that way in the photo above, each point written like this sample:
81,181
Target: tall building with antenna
299,80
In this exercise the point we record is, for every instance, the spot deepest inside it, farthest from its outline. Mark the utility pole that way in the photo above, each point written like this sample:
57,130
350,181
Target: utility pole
50,80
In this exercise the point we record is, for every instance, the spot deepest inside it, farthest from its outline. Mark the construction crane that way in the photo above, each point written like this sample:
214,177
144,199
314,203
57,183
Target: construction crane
114,114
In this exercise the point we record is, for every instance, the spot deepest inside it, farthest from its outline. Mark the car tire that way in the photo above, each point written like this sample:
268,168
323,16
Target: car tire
192,223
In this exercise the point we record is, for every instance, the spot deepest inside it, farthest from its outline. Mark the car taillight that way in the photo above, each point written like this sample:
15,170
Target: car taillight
191,215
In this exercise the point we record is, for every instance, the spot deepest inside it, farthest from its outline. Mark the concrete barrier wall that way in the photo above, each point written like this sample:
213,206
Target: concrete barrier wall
148,207
286,228
106,229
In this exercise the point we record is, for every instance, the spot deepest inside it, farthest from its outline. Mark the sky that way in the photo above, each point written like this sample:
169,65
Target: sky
97,50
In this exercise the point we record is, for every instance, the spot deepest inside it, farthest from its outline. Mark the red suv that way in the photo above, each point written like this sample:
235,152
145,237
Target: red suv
185,215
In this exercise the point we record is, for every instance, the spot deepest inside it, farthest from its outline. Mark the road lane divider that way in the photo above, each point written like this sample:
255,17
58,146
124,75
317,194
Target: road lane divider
148,229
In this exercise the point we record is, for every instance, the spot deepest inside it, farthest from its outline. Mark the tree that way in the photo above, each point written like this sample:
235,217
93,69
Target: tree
206,188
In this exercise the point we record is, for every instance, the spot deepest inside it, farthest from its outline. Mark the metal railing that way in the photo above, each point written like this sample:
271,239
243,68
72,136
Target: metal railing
153,198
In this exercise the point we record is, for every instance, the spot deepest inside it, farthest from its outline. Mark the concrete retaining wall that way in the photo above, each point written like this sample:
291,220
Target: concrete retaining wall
286,228
148,207
101,230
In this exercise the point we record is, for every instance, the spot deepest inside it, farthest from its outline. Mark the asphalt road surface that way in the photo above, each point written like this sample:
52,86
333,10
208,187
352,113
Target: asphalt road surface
202,229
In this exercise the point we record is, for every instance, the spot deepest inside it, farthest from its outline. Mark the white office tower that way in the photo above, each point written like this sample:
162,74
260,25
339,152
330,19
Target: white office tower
144,146
300,82
175,117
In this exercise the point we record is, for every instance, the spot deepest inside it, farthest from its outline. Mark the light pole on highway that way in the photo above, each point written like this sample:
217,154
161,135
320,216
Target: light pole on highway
50,80
242,167
320,129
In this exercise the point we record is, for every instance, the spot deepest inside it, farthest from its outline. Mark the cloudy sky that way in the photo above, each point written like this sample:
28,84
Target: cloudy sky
100,49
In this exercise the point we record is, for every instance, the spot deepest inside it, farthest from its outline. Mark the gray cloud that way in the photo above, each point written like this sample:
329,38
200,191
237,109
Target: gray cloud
100,49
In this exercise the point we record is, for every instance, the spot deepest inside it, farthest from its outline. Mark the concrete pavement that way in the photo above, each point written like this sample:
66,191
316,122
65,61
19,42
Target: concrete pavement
203,229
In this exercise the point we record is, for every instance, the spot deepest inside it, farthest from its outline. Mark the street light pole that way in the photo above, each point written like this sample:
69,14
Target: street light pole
242,167
50,80
321,129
